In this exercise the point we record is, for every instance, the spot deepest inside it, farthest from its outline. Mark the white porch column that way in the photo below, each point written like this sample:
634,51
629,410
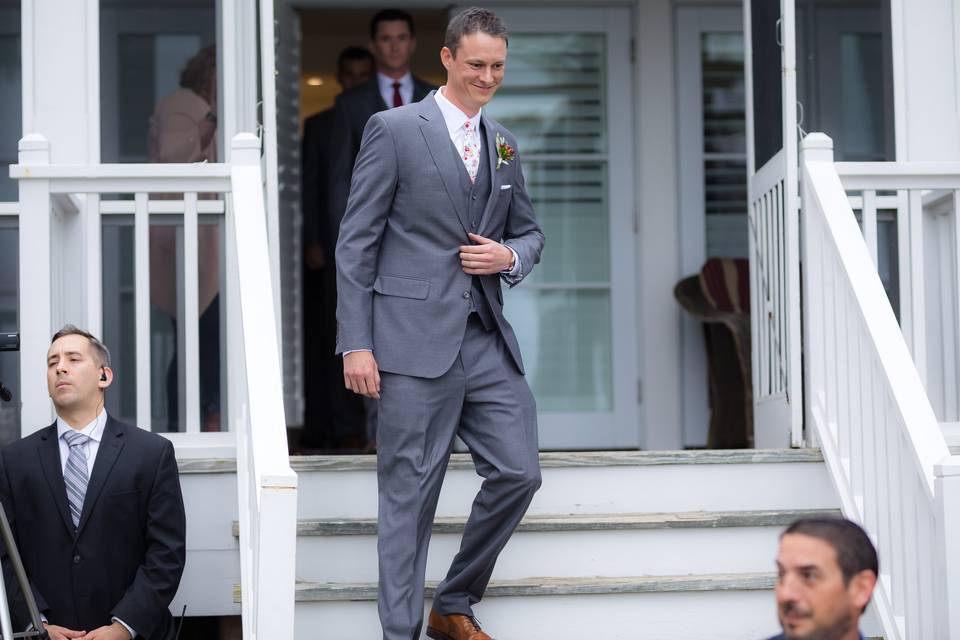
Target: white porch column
36,282
61,76
926,64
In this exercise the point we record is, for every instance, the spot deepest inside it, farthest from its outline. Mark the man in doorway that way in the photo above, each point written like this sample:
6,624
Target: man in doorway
438,215
827,569
96,509
331,413
392,42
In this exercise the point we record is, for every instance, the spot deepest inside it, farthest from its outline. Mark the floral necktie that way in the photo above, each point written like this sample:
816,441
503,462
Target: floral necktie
471,149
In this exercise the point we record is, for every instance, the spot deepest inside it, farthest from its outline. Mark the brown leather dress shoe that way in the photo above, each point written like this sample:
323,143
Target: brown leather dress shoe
454,627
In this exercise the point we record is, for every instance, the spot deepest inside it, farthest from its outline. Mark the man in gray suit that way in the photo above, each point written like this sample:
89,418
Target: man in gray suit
437,216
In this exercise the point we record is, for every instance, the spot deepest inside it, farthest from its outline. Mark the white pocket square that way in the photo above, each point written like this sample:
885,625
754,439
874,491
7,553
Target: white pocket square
505,186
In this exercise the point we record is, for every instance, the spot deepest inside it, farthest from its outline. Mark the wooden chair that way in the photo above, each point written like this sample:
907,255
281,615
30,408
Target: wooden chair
719,296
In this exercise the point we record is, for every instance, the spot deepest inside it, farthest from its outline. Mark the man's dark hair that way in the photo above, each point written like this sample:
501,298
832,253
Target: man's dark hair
855,552
473,20
100,351
390,15
353,53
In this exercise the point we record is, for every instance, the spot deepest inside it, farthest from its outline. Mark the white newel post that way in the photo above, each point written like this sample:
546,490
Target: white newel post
36,285
947,495
815,147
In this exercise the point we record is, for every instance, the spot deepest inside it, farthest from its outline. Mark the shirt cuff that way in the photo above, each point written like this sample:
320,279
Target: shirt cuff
133,634
516,270
346,353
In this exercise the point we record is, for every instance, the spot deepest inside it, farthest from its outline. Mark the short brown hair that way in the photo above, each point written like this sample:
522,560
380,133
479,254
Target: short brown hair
473,20
100,351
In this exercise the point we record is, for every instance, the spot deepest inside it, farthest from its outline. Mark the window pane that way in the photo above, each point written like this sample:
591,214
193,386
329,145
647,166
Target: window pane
552,97
570,199
10,95
861,86
566,342
158,82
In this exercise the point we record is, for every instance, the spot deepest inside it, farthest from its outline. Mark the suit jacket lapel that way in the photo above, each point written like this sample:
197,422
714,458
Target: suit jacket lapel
495,178
434,131
376,99
110,445
49,452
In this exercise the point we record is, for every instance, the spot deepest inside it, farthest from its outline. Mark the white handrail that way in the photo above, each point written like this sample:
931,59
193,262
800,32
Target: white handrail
267,485
867,406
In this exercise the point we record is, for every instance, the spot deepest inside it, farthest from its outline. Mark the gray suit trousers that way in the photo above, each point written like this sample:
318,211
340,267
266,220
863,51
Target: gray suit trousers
486,401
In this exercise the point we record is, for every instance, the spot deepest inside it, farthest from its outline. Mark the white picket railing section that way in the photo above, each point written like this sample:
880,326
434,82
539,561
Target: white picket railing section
866,405
775,306
923,198
60,209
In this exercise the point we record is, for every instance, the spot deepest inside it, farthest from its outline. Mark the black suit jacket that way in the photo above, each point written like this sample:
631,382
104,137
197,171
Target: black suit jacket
127,555
351,112
316,152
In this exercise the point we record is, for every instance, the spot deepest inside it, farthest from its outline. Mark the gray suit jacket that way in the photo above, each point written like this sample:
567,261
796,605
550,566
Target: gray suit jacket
401,289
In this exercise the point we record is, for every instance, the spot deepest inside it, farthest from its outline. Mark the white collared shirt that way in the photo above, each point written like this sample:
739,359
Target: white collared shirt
386,88
94,431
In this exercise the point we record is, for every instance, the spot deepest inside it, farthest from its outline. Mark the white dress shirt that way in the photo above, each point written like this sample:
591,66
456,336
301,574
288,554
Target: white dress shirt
386,88
94,431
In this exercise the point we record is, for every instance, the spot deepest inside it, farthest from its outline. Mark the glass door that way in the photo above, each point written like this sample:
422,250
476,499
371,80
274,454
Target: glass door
567,96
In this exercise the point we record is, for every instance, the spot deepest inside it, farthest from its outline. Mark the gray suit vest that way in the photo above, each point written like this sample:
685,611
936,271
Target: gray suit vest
475,197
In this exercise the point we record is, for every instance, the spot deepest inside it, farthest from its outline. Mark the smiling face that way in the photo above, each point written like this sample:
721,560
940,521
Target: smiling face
813,601
73,376
475,72
392,47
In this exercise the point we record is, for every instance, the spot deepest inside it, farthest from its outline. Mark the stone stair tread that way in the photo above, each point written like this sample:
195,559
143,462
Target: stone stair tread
548,459
544,586
580,522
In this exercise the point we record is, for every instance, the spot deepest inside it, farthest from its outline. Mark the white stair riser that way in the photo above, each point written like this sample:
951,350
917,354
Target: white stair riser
735,615
562,554
644,489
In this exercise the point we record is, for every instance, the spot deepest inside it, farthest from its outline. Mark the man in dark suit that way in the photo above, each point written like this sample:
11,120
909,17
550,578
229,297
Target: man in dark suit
330,412
827,569
96,509
392,42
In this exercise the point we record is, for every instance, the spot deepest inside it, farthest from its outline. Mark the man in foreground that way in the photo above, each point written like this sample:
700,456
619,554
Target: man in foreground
827,569
96,509
438,215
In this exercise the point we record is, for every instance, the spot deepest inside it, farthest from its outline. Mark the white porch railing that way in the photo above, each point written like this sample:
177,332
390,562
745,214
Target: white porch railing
925,199
60,209
866,405
775,305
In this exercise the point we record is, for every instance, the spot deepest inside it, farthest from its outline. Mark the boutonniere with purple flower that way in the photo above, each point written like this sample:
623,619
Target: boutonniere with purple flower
505,153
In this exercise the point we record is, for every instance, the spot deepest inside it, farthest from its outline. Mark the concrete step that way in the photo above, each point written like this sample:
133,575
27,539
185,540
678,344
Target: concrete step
617,545
601,482
674,607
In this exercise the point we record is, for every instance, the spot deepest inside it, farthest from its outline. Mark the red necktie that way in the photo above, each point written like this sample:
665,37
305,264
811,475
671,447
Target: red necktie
397,99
